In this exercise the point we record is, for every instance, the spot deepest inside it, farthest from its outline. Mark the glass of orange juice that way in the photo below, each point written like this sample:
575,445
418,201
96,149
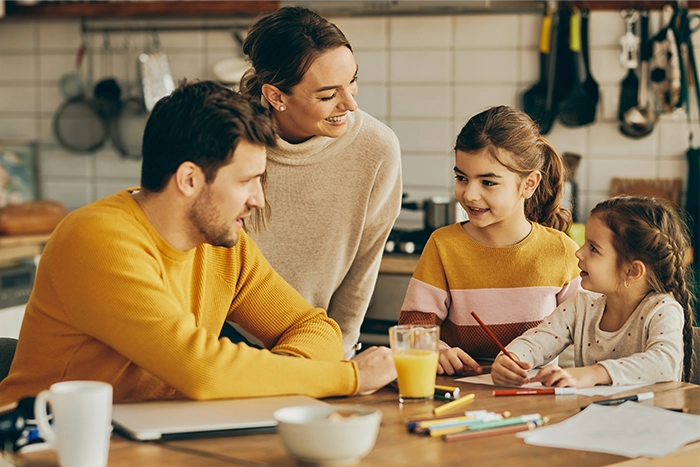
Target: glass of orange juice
415,350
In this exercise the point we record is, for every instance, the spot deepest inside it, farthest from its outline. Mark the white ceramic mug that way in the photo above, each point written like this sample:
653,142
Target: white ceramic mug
82,421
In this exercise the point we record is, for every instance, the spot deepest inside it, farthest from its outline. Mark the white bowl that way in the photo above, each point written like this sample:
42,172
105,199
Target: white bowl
343,439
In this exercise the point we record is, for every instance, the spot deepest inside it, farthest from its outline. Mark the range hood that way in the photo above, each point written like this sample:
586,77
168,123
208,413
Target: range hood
417,7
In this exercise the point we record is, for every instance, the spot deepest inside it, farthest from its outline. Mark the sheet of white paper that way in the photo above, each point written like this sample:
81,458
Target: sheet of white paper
594,391
630,430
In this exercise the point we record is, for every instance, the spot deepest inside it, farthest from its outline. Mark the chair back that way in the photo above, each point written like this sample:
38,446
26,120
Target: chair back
7,354
695,364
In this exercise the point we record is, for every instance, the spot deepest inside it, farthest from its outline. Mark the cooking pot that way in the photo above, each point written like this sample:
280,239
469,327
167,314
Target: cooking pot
439,211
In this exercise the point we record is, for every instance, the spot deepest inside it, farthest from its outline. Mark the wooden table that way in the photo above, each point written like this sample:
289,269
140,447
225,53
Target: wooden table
396,447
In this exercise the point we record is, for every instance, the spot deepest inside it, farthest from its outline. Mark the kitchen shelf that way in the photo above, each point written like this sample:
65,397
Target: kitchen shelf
623,5
140,9
205,8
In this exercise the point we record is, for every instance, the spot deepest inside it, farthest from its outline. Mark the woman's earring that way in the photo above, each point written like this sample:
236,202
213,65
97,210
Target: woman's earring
282,108
627,285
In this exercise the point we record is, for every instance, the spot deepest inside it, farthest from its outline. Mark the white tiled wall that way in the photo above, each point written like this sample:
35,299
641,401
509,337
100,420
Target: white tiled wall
423,76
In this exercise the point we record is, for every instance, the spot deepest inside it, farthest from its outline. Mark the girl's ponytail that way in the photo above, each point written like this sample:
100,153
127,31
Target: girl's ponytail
544,206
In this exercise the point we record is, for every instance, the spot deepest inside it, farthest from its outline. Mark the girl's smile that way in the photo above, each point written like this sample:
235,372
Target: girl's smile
493,197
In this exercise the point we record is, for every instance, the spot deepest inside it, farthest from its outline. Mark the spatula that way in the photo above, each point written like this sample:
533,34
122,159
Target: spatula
578,107
590,84
630,84
535,98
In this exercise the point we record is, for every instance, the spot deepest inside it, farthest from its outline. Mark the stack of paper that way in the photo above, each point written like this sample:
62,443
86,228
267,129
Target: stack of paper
630,430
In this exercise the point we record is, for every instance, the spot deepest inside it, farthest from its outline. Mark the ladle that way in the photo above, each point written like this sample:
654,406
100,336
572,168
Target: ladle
639,121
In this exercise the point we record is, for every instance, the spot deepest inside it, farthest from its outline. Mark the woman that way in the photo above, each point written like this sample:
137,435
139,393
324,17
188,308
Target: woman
334,181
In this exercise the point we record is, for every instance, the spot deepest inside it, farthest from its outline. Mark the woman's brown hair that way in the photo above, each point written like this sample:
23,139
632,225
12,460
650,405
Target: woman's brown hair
502,128
282,45
651,231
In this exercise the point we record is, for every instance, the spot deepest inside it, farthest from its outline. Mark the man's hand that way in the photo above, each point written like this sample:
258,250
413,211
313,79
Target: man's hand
582,377
376,368
505,372
454,360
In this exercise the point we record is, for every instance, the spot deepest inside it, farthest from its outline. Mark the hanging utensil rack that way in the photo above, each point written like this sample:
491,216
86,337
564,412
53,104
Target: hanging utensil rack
235,26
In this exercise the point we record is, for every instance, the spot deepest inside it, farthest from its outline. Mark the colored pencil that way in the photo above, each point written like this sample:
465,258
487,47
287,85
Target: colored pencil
493,336
495,432
457,403
456,427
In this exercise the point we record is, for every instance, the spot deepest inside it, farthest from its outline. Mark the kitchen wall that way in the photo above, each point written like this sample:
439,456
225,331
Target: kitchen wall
423,76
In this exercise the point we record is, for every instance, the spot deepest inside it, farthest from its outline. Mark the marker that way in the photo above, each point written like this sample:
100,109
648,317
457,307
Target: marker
447,388
530,392
456,427
493,337
446,393
670,409
470,434
444,408
643,396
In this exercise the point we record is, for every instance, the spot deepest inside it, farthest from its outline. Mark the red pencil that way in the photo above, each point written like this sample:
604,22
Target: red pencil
493,336
528,392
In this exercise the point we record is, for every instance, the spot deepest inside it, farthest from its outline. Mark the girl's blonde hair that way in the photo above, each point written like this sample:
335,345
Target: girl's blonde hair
651,231
506,129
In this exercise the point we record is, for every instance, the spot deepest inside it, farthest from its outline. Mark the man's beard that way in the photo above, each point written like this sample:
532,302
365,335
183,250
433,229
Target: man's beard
208,223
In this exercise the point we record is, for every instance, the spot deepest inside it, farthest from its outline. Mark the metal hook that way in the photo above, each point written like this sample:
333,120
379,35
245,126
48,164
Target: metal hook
155,38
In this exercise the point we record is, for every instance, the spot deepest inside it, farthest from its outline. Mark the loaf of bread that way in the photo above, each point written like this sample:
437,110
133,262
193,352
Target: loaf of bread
31,217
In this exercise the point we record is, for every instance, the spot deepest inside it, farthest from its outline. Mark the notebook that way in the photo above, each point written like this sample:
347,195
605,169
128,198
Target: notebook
143,421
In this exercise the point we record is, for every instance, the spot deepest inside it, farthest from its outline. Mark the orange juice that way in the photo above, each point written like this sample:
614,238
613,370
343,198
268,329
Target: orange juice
416,370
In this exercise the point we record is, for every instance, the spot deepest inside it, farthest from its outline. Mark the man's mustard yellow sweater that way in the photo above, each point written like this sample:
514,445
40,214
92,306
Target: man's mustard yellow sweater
114,302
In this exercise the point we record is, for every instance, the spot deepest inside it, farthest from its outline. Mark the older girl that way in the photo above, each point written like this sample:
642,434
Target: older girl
510,262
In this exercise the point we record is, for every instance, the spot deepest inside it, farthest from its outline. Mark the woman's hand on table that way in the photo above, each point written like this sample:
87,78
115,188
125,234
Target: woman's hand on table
506,372
455,360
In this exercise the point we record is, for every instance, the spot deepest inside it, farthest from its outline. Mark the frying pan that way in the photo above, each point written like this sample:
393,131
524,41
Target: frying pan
77,125
127,128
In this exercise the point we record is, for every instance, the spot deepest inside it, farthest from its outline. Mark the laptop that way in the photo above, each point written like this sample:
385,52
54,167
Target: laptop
178,419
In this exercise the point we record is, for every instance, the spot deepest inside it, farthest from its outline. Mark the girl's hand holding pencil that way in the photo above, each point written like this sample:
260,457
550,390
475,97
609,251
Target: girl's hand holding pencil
506,371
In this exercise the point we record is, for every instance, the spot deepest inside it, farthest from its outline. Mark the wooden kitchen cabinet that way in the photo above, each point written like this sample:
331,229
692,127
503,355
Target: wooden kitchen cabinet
139,8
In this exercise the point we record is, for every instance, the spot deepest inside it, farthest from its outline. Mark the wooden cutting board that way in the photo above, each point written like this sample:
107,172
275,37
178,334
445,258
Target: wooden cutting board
19,240
20,247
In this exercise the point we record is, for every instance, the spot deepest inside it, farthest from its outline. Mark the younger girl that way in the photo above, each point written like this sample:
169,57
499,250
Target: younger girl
637,329
510,262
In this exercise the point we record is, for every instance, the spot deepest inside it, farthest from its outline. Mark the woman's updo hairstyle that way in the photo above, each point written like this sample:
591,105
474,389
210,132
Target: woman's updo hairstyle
282,46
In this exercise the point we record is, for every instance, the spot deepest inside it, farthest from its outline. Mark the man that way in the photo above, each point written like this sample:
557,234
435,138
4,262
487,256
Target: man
134,288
